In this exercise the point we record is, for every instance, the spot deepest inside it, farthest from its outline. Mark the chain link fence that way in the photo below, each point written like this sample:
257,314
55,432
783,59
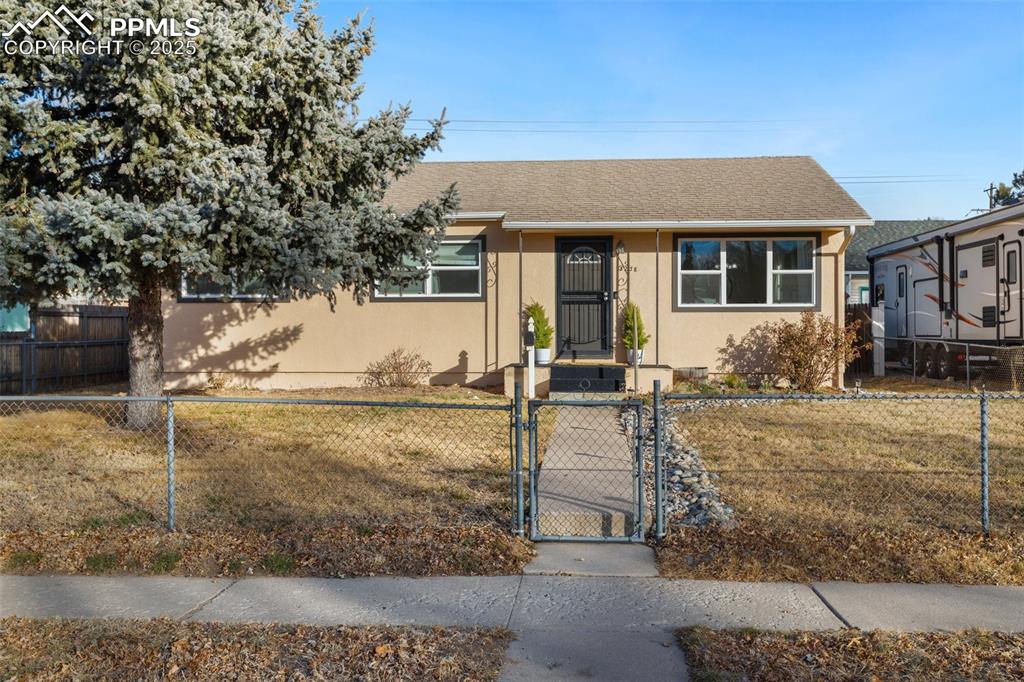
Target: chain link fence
945,461
195,463
948,363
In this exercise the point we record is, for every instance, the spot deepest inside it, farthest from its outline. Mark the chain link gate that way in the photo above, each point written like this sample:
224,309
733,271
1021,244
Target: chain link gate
585,470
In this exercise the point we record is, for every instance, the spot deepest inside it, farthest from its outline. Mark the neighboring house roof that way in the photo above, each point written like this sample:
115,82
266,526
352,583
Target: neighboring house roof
883,232
631,190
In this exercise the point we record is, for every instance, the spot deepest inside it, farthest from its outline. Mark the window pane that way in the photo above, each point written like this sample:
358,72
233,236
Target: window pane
251,288
792,254
746,271
699,255
796,288
458,254
203,286
1011,267
456,282
389,289
699,289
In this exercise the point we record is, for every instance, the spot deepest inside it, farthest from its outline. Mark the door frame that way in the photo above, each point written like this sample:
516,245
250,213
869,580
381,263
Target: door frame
904,298
609,350
1013,246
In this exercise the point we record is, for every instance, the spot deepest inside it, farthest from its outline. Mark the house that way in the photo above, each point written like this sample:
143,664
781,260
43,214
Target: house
708,248
858,283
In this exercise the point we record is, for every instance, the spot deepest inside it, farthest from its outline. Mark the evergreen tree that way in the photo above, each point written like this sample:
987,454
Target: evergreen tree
244,162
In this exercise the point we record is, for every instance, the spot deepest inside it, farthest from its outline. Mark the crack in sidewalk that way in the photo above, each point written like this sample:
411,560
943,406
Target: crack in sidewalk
206,602
515,600
834,610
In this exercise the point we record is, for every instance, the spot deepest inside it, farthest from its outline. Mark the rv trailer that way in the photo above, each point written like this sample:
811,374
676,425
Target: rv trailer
957,284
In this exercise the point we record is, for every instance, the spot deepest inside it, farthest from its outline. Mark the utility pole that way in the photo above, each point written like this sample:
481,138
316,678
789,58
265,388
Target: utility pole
991,191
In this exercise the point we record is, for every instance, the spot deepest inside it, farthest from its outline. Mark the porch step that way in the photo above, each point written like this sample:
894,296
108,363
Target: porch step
587,379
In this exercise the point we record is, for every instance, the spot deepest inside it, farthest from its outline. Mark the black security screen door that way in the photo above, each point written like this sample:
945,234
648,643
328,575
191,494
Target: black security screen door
584,296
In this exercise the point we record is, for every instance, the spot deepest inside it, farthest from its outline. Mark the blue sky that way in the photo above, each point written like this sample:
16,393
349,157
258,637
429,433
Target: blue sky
915,107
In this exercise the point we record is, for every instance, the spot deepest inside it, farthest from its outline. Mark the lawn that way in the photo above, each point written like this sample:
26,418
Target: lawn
756,656
856,490
256,480
57,649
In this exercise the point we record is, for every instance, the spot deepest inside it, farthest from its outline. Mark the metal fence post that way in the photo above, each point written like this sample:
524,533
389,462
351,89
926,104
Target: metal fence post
984,462
659,500
967,357
913,363
517,476
170,464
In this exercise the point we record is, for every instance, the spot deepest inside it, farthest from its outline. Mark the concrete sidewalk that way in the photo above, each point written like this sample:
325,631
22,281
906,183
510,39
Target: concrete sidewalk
568,626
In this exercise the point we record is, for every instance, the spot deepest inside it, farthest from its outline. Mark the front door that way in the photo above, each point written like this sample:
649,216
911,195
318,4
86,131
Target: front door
1010,320
584,296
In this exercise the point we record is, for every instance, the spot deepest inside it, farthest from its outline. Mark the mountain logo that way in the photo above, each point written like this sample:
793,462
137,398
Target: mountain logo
69,19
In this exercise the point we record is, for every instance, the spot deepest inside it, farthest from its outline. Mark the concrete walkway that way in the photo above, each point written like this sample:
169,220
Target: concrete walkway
585,485
568,626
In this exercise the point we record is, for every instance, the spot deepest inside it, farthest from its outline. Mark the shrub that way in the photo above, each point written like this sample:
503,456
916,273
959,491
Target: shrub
543,332
809,351
633,327
398,368
734,381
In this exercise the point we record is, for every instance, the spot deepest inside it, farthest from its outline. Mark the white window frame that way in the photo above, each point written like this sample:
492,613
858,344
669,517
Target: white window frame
233,296
723,267
428,283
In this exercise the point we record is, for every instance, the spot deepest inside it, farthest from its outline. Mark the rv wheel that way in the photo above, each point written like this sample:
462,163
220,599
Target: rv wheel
948,365
931,362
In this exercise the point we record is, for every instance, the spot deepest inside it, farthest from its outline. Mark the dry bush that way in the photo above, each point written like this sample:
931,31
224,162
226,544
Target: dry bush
399,368
809,351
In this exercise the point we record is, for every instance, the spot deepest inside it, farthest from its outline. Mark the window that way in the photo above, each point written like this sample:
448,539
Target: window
454,271
902,285
1011,267
864,295
746,272
203,288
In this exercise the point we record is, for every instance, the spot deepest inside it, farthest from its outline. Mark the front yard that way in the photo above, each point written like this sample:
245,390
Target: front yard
261,488
758,656
57,649
856,490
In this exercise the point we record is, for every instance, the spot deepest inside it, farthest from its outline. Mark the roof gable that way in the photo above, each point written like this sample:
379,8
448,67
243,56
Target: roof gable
629,190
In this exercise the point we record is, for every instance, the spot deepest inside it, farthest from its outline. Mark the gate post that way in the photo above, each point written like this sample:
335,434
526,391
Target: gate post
517,475
532,466
984,462
659,501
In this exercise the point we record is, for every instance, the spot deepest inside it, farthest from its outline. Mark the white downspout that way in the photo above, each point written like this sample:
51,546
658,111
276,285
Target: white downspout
839,291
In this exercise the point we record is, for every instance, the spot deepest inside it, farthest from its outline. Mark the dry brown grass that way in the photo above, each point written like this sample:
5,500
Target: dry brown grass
244,469
718,656
164,649
857,490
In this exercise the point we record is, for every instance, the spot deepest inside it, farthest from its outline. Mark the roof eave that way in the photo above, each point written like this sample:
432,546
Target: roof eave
527,225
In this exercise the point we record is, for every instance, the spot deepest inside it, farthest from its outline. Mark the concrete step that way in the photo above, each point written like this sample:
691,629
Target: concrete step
596,523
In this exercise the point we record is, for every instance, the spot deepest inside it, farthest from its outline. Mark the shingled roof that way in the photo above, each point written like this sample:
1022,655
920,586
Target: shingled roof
753,188
883,232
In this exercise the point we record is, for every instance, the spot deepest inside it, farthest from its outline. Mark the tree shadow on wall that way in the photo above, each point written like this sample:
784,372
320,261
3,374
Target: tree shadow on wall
197,342
754,355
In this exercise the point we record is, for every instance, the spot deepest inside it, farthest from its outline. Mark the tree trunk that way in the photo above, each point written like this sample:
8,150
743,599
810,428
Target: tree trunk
145,355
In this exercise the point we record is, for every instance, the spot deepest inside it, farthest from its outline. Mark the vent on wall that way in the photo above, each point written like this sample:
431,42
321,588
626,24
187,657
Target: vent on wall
988,316
988,256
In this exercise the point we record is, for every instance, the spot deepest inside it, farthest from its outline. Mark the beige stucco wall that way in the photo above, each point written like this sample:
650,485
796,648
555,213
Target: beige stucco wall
303,343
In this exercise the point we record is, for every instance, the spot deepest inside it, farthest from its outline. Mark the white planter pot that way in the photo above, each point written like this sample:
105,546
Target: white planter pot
635,357
543,355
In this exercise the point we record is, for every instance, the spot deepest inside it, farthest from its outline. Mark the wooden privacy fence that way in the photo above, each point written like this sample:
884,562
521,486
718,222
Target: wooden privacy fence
66,347
861,312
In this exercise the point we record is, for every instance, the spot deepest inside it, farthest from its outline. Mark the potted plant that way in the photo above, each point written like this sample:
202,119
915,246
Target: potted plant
543,332
634,338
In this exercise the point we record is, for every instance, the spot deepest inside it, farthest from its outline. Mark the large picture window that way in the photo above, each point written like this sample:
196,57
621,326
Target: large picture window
746,272
454,270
